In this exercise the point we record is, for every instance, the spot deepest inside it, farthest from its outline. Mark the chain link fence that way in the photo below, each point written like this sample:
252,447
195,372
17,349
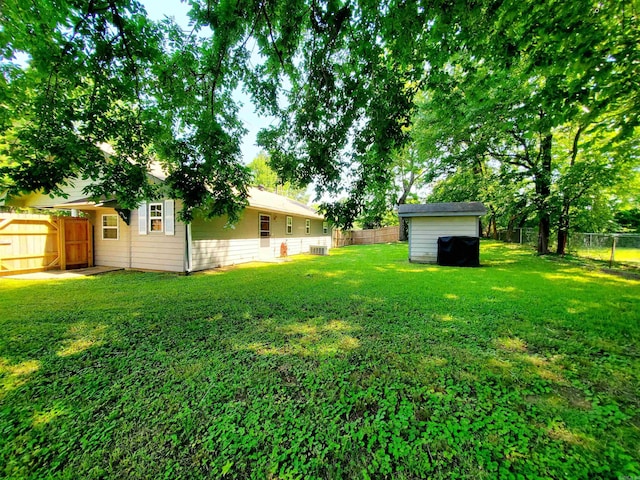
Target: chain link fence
524,236
610,247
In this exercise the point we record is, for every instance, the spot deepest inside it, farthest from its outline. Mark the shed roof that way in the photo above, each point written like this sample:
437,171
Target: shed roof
450,209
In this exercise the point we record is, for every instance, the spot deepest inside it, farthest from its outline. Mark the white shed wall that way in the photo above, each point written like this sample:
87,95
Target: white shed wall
424,233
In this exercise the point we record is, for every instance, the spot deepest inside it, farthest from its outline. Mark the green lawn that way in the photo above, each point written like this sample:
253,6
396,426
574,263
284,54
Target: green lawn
355,365
630,256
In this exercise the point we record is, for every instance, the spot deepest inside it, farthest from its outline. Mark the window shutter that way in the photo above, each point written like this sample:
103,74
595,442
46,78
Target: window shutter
142,219
169,222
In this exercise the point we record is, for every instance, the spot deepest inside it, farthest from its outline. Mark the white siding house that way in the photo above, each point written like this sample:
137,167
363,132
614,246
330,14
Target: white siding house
267,224
428,222
152,237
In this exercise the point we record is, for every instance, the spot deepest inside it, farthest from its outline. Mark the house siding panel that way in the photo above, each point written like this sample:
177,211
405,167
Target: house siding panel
74,190
216,246
110,253
425,231
299,245
219,253
157,251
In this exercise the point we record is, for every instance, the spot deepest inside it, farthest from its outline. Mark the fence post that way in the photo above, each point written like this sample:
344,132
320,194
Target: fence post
62,251
613,251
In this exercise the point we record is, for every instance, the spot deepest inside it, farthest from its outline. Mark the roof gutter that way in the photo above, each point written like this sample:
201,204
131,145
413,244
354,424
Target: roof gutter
477,213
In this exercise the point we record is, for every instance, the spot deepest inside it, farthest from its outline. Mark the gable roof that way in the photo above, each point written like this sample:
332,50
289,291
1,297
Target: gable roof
450,209
260,199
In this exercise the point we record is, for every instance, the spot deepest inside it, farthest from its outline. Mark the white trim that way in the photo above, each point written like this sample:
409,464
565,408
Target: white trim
325,227
289,225
115,227
476,213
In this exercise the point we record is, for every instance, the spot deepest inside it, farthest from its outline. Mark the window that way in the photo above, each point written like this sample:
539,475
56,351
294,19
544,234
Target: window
155,217
265,226
289,225
307,226
325,227
110,227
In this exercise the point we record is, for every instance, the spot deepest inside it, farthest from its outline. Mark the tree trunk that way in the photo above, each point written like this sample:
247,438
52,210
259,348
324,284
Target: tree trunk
403,230
492,223
563,226
562,242
543,191
563,229
510,228
544,231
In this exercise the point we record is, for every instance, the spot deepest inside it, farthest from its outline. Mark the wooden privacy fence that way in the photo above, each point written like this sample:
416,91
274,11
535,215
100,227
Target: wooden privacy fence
366,237
32,243
340,238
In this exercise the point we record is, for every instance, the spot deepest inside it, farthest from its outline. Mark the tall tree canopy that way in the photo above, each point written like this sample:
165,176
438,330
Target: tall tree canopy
263,175
341,76
534,75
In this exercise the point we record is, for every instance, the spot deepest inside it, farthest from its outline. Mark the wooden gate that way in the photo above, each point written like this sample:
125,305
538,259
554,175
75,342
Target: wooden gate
76,245
32,243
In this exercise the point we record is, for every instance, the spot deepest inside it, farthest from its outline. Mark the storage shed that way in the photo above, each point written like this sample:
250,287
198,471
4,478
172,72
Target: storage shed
429,221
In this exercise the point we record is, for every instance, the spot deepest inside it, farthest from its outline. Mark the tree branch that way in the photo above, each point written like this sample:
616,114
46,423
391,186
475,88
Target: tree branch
273,41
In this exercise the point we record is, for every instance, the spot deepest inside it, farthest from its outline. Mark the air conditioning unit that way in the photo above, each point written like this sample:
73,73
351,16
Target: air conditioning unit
318,250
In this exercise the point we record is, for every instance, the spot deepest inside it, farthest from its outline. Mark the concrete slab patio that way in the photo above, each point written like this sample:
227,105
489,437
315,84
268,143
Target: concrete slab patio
63,274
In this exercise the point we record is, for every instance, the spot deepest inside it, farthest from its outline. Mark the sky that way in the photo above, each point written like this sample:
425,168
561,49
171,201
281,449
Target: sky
159,9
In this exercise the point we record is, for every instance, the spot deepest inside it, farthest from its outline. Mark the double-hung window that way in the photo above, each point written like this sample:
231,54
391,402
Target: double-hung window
289,225
155,217
110,227
307,226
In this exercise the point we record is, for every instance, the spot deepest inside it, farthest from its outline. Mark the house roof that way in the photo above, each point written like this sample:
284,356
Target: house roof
260,199
87,203
451,209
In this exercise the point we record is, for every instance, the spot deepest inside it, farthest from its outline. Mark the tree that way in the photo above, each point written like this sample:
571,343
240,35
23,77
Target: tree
410,172
265,176
597,162
83,86
524,77
101,73
341,76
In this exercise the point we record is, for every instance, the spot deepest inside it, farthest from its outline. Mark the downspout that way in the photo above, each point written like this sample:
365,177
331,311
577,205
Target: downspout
130,248
188,250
